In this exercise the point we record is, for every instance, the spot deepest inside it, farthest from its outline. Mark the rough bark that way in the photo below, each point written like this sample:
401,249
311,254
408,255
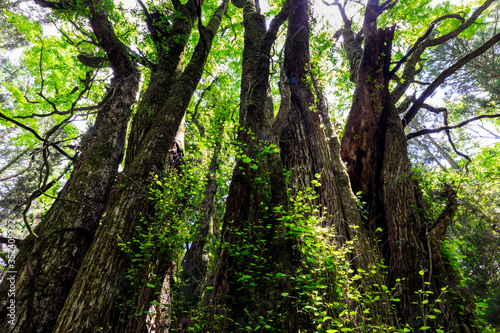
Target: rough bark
47,266
369,97
310,146
375,150
246,221
170,48
101,279
303,144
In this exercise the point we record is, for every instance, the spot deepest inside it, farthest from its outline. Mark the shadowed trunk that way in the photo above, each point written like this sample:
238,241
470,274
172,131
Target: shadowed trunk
47,266
375,150
102,278
240,288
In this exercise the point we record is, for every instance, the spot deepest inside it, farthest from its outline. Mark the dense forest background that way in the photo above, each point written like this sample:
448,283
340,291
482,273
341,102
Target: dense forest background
246,165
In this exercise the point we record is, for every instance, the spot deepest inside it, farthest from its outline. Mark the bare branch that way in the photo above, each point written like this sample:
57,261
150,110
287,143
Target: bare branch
444,75
472,19
412,57
61,113
412,49
450,140
444,128
29,129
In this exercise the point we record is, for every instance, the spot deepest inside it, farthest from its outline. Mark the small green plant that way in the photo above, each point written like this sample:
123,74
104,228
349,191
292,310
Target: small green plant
429,309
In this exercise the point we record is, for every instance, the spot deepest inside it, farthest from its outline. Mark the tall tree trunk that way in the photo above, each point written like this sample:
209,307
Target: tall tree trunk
47,266
375,150
92,300
164,74
240,287
195,265
306,150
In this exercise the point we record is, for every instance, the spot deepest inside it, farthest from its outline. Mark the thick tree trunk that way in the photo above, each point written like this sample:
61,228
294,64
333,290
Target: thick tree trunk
47,266
164,74
306,150
375,150
256,187
102,278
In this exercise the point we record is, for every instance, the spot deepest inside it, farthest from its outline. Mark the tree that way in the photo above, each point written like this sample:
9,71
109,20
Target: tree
291,230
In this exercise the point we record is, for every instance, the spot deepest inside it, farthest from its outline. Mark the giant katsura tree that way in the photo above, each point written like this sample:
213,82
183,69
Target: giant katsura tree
81,269
257,186
375,151
64,236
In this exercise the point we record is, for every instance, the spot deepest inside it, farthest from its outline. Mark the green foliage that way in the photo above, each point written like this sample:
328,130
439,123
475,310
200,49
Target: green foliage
472,243
159,242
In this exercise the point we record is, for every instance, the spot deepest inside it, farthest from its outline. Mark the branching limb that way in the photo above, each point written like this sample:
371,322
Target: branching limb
61,113
351,43
412,49
466,24
91,40
444,128
413,56
15,122
450,140
444,75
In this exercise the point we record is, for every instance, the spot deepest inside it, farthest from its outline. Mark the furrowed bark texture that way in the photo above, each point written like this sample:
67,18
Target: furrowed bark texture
247,225
375,150
92,301
171,47
306,150
47,266
369,97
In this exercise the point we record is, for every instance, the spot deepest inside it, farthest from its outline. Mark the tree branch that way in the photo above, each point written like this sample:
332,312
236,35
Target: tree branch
444,128
444,75
450,140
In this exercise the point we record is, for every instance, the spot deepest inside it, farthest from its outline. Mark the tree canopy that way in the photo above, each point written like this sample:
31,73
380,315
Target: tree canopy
246,165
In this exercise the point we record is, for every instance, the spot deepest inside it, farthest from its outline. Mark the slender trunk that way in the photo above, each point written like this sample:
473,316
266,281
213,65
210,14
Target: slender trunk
195,263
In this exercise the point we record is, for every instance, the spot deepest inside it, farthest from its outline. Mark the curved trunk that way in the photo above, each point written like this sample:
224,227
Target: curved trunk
67,230
102,278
